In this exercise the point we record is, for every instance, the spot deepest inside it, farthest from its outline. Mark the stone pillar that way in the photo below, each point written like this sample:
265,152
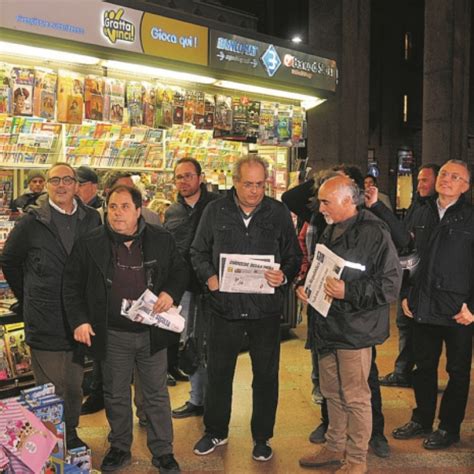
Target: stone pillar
446,80
338,129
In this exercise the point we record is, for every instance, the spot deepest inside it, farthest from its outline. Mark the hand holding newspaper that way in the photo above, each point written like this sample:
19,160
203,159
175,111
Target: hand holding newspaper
245,273
325,264
141,311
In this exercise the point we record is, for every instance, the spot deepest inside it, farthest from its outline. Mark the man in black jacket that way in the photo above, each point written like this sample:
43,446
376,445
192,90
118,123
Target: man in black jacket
182,219
402,375
120,261
358,319
245,222
441,303
36,183
33,261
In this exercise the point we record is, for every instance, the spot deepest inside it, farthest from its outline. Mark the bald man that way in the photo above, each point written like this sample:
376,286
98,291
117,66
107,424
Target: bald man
358,319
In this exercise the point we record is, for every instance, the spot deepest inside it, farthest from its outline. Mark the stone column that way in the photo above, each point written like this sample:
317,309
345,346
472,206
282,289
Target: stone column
338,129
446,79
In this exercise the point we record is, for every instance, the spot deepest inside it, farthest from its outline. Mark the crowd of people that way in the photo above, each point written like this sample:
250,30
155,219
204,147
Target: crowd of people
74,257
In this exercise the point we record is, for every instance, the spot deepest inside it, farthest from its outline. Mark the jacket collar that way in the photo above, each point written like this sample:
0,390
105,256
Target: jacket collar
42,209
202,197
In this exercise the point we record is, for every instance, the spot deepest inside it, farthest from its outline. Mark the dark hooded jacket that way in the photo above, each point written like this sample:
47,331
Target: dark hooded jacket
33,262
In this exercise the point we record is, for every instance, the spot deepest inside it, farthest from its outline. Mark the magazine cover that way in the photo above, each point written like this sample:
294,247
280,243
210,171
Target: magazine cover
114,100
178,107
189,106
44,97
94,98
70,97
23,80
283,129
5,88
164,106
223,113
5,370
253,118
134,103
149,104
297,127
267,128
17,349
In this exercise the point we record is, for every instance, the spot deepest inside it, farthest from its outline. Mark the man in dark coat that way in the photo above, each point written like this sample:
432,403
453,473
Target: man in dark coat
357,320
440,301
245,222
36,182
33,261
182,219
120,261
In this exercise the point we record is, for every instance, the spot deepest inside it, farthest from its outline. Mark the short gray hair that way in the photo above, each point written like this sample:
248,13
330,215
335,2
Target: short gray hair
249,160
349,187
61,163
463,164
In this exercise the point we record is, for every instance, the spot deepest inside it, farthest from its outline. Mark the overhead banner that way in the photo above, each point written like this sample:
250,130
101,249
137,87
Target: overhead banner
108,25
247,56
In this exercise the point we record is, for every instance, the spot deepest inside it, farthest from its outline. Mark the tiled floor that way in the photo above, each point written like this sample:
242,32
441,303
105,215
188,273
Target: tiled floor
296,418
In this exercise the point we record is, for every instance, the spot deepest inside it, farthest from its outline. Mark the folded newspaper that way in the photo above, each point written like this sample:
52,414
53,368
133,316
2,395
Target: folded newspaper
245,273
141,311
325,264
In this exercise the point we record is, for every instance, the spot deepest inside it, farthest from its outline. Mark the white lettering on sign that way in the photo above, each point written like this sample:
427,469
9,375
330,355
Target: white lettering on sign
185,41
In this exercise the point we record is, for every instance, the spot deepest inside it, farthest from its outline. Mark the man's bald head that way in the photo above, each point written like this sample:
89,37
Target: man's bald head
338,198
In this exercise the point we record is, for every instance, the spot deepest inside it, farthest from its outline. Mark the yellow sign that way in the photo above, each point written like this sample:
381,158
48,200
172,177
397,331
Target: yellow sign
116,28
174,39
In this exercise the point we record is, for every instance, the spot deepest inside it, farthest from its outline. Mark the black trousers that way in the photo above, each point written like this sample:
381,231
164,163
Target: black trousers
428,343
405,360
378,421
224,343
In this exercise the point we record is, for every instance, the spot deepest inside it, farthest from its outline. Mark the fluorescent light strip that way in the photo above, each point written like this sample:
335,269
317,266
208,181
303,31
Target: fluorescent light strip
157,72
49,54
307,101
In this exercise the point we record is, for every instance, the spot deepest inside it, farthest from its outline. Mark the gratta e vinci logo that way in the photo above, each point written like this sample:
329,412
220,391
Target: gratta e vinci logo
115,28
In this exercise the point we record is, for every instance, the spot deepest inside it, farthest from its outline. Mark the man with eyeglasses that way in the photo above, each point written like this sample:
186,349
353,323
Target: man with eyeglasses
244,222
182,219
118,261
440,301
33,262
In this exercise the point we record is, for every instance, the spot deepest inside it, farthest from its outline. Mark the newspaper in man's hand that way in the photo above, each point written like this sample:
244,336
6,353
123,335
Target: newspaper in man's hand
246,273
141,311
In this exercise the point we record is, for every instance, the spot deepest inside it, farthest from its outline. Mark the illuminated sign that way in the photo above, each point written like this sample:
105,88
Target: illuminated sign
247,56
116,28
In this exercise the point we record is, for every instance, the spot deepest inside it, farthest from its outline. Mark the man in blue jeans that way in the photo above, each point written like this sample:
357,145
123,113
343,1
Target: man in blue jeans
245,222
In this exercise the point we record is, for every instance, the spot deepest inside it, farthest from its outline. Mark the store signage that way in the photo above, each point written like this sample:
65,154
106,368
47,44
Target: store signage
247,56
174,39
115,28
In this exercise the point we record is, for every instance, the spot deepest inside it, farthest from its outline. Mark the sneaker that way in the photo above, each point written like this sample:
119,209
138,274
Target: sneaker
115,459
187,410
325,457
379,445
170,380
318,436
178,374
207,444
262,451
93,404
316,395
395,380
166,464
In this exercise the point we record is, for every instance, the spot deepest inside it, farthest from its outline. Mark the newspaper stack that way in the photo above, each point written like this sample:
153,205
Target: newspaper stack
141,311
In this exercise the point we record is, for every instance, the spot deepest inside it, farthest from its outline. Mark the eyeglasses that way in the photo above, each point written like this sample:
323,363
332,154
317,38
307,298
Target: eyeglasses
455,177
248,185
185,177
66,180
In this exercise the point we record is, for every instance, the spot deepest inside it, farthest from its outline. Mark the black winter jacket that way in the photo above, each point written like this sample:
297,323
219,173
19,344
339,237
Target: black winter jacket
87,282
181,220
33,262
444,279
222,230
361,319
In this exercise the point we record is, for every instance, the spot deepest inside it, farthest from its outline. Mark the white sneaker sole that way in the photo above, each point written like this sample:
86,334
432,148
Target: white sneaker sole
209,451
261,458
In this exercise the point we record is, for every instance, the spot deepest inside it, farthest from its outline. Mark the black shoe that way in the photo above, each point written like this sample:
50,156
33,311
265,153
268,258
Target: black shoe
187,410
318,435
178,374
115,459
93,404
262,451
440,439
73,441
170,380
395,380
410,430
207,444
379,445
166,464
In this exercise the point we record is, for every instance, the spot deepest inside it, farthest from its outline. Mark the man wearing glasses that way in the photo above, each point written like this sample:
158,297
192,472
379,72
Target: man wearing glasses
245,222
182,219
440,302
33,261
